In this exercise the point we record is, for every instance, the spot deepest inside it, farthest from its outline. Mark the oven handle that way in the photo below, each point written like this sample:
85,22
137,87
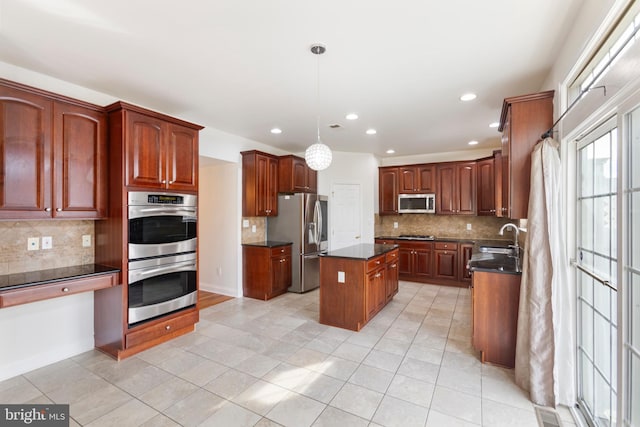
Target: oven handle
141,211
145,273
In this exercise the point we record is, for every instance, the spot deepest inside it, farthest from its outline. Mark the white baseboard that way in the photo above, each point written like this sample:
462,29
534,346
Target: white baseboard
220,289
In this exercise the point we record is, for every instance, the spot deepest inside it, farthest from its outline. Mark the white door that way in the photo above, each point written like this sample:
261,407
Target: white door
346,219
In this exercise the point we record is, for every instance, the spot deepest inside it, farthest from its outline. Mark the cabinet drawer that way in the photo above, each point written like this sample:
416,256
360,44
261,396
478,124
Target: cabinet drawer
451,246
391,256
281,250
57,289
374,263
385,242
160,329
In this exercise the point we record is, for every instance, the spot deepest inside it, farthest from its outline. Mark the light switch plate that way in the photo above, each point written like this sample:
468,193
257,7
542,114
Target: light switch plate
468,226
340,276
245,223
395,224
86,240
47,242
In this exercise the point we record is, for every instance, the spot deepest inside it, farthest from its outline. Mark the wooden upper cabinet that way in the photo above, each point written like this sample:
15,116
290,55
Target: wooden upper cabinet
295,176
486,187
80,162
388,191
456,188
417,179
53,156
522,122
259,184
497,183
160,154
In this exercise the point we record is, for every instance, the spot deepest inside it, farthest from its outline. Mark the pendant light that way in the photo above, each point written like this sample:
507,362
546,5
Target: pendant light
318,156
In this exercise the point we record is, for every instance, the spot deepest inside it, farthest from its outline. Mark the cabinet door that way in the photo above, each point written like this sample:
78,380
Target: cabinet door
391,286
446,194
182,158
79,162
446,264
388,191
25,155
486,192
272,187
281,274
466,188
465,251
422,262
312,180
145,153
426,179
375,292
299,174
506,171
408,180
497,184
405,261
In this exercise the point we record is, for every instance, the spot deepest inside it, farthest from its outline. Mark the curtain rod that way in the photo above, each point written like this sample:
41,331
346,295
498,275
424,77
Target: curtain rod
549,132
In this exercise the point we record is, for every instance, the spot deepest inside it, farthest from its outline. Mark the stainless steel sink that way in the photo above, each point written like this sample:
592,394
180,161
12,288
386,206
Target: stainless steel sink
510,251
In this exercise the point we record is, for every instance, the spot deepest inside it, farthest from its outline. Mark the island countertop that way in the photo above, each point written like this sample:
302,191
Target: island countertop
363,251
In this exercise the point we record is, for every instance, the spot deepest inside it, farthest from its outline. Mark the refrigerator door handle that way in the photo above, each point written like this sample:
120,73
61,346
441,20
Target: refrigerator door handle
318,221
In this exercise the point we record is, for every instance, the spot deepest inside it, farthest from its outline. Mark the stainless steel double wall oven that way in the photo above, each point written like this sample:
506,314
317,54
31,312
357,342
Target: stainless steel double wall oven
162,254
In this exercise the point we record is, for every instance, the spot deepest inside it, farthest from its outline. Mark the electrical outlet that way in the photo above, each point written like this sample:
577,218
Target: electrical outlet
86,240
340,276
47,242
253,228
245,223
468,226
395,224
33,244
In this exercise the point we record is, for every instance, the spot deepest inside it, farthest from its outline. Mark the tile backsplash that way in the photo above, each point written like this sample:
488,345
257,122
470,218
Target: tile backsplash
482,227
66,247
260,235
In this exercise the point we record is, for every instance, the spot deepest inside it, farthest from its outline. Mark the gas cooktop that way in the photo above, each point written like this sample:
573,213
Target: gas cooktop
416,237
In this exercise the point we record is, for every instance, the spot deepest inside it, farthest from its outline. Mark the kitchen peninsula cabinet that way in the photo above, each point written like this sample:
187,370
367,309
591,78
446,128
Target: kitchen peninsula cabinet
522,121
259,184
417,179
62,143
266,269
495,299
356,283
160,153
388,191
456,188
295,176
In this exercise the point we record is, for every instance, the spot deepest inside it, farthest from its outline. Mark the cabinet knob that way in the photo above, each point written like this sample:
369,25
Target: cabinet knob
282,260
58,209
164,181
170,182
65,289
167,327
47,209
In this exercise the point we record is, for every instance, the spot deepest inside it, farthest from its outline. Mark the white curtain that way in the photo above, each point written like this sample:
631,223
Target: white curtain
545,348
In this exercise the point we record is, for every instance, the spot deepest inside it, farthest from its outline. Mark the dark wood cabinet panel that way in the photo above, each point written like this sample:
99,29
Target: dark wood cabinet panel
392,275
266,271
486,187
62,145
522,121
497,185
417,179
456,188
415,260
465,250
445,260
80,162
181,158
375,292
388,191
259,183
295,176
495,301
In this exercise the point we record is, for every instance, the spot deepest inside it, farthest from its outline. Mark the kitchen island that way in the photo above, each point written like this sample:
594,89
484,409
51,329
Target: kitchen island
356,282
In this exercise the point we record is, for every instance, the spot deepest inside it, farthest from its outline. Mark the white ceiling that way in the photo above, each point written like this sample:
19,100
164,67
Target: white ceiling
244,66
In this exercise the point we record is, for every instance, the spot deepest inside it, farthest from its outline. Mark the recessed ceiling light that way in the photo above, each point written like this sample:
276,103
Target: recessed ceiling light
276,131
494,125
351,116
391,151
371,131
468,97
473,142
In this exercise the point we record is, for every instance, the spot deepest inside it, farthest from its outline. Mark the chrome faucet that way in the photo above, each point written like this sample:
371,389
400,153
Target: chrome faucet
515,228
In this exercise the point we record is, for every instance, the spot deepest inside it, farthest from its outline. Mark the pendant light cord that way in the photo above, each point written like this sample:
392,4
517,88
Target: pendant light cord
318,97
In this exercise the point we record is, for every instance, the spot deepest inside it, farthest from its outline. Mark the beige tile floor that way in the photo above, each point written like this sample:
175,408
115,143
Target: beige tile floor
254,363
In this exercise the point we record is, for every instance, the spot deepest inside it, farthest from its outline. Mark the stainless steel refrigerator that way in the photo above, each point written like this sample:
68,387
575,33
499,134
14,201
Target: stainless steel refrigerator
302,219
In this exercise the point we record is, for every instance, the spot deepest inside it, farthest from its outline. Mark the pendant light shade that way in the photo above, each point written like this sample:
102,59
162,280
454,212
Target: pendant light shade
318,156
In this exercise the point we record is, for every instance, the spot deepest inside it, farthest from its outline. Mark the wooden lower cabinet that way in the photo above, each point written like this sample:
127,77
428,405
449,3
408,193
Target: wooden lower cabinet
495,301
266,271
446,260
353,291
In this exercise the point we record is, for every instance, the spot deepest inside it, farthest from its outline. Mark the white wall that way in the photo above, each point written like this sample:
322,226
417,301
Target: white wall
219,229
353,168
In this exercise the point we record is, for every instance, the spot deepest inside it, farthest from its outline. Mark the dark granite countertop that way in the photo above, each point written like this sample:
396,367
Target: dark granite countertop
495,263
268,244
363,251
496,242
42,277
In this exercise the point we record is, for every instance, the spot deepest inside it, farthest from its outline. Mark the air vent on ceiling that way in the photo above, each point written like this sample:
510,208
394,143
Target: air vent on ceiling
335,126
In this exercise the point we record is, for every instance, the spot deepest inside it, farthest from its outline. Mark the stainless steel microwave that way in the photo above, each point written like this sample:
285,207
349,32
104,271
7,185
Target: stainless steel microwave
417,203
